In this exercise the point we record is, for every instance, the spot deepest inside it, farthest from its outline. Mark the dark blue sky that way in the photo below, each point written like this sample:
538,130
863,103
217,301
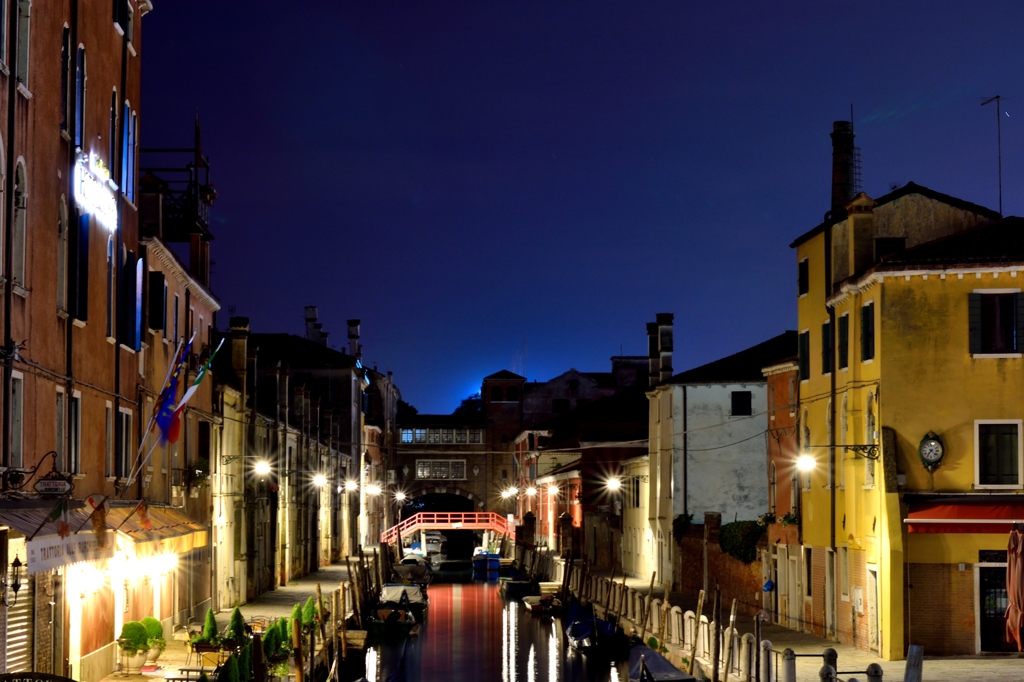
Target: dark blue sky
472,179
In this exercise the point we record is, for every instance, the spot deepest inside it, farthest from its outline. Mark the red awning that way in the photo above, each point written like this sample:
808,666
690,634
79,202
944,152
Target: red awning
964,517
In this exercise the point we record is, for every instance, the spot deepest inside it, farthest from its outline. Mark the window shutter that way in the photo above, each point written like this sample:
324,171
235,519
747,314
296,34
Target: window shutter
1018,337
805,356
844,342
157,301
826,348
78,298
974,322
867,332
127,321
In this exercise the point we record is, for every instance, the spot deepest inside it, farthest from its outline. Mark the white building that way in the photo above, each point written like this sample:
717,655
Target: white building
707,443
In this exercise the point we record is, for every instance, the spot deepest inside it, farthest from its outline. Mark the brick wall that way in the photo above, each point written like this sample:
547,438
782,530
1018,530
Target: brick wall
939,609
44,629
736,580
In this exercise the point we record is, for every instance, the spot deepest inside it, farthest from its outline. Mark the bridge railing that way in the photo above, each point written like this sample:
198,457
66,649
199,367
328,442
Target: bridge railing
446,520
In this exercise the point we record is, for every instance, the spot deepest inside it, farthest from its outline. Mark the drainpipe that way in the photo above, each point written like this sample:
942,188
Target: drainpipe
832,390
9,346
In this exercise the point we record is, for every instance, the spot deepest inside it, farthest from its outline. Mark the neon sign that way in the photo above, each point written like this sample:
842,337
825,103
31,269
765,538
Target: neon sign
93,193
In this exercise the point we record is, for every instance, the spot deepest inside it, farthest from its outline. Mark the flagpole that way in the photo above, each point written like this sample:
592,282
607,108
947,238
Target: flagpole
130,514
61,501
103,501
152,417
141,464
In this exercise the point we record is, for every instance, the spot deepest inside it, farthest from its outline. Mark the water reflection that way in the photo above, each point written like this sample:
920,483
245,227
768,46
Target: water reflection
460,641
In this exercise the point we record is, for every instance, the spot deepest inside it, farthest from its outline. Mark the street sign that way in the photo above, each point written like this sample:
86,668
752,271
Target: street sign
52,486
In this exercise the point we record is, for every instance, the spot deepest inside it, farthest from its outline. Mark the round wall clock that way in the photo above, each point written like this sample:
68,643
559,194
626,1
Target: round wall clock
931,450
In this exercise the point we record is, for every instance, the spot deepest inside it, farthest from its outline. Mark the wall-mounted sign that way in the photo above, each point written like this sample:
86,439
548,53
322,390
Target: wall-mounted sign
52,486
93,190
52,551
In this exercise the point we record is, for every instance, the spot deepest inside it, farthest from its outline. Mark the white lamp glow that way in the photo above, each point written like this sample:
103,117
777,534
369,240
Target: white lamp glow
262,468
614,484
806,463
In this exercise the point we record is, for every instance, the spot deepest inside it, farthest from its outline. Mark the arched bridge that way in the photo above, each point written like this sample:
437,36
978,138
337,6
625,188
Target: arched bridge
446,521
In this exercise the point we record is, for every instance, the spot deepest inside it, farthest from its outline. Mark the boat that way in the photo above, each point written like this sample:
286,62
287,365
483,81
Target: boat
593,636
542,605
517,589
647,665
409,596
390,624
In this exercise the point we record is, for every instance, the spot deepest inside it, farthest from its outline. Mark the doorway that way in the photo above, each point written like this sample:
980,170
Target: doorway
795,592
830,594
874,636
993,599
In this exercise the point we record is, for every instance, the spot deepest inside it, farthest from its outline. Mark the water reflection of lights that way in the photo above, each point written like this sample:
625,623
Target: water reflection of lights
531,665
371,665
615,673
552,656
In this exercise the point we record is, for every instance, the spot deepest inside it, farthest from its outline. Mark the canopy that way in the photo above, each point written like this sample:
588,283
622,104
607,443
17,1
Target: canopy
393,594
961,516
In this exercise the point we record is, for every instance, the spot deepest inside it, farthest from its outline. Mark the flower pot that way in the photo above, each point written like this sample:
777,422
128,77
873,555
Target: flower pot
153,654
133,664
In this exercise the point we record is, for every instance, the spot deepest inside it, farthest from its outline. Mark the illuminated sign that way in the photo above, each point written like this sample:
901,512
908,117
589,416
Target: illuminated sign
93,192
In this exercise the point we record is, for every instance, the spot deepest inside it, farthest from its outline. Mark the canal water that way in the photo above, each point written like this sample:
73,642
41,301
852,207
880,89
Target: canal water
472,634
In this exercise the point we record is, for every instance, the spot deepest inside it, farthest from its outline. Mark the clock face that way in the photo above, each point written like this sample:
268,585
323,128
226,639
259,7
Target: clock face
931,450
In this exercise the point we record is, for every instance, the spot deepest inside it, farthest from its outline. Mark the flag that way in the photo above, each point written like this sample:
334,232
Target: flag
59,515
166,403
175,426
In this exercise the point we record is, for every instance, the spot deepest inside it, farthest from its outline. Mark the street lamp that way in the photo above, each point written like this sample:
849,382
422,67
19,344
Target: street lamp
506,494
262,468
614,484
553,490
531,491
399,496
319,480
806,463
351,485
373,489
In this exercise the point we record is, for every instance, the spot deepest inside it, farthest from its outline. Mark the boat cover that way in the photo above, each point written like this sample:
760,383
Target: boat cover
658,668
393,594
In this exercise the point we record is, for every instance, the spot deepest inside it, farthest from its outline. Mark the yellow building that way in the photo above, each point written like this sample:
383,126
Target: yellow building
891,295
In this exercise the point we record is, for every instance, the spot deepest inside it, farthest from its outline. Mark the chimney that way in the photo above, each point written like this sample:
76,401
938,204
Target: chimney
239,347
653,355
861,231
844,164
664,323
354,347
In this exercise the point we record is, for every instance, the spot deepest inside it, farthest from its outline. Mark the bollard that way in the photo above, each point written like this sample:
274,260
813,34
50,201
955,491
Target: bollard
831,657
788,665
874,673
915,664
827,673
766,661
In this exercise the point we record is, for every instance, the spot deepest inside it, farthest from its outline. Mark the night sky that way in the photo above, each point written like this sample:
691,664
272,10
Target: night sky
476,180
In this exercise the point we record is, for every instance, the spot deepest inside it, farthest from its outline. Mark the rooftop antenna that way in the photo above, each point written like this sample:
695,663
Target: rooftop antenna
999,142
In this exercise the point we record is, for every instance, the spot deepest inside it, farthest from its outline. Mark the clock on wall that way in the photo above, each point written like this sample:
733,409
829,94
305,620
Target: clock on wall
931,450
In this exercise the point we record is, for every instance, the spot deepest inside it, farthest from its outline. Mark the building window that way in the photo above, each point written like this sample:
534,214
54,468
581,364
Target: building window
17,421
133,153
109,448
773,488
792,396
80,98
176,317
844,341
497,395
163,312
805,356
20,226
742,404
24,28
58,432
433,436
803,283
460,435
406,435
474,436
867,332
441,469
111,273
844,572
794,490
75,433
844,424
420,435
3,31
447,436
634,498
808,572
124,428
997,446
994,322
112,139
826,348
62,256
65,77
512,394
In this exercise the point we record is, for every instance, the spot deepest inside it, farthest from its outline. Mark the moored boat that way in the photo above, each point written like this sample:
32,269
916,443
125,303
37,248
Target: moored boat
647,665
541,605
410,596
517,589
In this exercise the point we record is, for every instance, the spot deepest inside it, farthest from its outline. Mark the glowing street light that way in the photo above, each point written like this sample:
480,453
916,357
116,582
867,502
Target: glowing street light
262,468
319,480
531,491
614,484
553,490
806,463
351,485
400,496
507,493
373,489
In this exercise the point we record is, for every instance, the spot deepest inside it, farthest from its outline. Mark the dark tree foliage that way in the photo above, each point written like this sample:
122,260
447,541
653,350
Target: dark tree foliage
472,406
739,539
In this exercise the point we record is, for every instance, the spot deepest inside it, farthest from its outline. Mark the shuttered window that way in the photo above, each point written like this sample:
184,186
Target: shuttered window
805,356
998,454
867,332
996,323
803,283
844,341
826,348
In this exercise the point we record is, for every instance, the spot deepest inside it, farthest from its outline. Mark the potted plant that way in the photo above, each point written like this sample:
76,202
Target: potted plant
207,641
134,644
235,635
156,641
